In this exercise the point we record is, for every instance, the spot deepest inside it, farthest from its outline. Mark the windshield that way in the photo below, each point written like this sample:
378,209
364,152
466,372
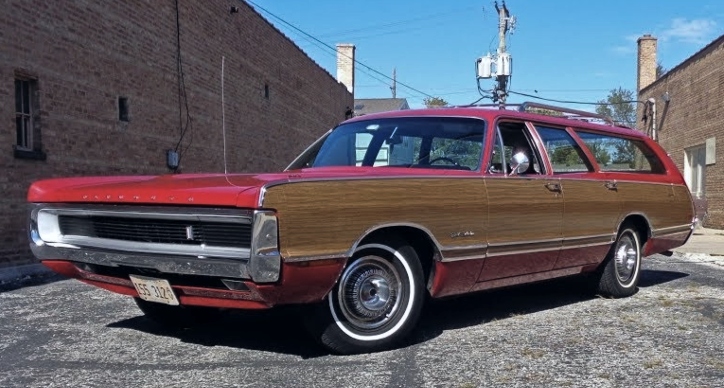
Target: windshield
419,142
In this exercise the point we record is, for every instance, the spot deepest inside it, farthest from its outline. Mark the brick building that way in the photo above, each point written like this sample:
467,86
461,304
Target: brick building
687,118
94,87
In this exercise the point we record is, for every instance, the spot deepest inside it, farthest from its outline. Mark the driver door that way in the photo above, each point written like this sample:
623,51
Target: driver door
525,209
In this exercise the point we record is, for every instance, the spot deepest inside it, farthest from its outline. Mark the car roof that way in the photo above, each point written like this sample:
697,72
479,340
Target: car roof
492,114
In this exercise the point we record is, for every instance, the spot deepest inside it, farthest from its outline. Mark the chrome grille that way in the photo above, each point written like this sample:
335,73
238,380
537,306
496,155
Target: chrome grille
221,234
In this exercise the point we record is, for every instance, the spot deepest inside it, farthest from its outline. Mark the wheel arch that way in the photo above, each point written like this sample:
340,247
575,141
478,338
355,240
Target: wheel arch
642,224
418,237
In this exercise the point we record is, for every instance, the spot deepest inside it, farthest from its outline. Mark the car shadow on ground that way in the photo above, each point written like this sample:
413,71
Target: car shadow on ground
281,330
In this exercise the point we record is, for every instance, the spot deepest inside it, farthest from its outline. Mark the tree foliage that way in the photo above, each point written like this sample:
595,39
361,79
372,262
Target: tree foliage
660,70
434,102
620,106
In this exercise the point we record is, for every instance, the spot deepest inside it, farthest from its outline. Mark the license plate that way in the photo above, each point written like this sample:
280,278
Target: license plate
154,290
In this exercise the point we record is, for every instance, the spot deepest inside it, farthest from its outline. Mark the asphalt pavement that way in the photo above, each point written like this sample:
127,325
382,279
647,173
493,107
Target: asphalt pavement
62,333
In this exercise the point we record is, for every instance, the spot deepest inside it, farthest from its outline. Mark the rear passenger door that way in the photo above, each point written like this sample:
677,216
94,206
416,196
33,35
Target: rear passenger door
591,206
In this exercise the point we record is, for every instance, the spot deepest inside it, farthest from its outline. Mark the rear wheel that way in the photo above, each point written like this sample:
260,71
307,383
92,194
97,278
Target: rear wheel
376,302
177,317
622,269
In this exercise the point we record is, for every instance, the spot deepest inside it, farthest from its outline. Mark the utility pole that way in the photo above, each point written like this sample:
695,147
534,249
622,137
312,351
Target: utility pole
501,61
394,83
501,89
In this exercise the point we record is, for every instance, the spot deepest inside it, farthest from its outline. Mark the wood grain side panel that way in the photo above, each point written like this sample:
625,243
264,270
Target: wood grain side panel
590,209
318,218
523,209
657,202
683,202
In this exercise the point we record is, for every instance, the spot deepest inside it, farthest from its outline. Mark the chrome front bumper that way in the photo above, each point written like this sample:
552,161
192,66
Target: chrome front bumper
261,262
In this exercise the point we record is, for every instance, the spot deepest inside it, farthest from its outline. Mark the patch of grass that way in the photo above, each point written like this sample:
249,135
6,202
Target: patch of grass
504,379
533,353
665,301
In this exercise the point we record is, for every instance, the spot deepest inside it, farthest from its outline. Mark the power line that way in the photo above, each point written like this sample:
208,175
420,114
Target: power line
323,47
574,102
334,49
394,24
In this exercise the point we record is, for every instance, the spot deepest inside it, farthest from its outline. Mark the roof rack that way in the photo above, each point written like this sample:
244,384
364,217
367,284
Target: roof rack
568,113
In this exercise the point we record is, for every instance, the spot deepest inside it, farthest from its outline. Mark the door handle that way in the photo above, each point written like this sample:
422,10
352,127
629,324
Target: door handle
611,185
554,186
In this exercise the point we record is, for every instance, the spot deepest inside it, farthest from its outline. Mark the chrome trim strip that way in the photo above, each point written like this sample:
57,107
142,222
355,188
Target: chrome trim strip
470,175
517,248
157,212
598,244
467,253
462,258
600,239
353,249
262,194
465,247
200,251
165,264
671,230
528,242
521,251
299,259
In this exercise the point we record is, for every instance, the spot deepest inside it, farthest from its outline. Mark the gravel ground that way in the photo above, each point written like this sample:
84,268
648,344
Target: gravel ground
62,333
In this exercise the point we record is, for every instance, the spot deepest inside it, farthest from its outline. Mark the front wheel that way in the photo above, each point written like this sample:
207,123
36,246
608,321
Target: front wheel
622,269
376,302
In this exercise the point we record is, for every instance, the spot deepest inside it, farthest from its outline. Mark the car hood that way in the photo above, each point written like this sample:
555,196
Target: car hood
240,190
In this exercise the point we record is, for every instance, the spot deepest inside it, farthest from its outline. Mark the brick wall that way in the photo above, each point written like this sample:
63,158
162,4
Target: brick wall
85,54
695,113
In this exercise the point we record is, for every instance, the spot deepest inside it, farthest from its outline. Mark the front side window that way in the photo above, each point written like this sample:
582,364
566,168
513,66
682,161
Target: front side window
417,142
563,152
620,154
513,138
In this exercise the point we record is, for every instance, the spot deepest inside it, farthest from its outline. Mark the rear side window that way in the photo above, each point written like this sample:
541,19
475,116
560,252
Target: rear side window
621,154
563,152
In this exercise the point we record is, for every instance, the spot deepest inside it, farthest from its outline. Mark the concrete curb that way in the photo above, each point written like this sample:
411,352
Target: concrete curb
12,274
703,258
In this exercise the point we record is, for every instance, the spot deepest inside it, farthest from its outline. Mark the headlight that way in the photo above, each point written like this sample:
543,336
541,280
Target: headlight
265,262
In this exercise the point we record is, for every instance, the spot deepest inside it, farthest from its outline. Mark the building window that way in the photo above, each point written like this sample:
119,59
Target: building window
123,109
695,170
23,115
266,91
27,120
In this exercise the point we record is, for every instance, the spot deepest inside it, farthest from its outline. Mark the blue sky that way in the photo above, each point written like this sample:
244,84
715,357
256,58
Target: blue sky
563,49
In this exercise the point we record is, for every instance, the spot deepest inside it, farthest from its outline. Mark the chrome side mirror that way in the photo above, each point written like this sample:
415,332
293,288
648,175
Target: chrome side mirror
519,163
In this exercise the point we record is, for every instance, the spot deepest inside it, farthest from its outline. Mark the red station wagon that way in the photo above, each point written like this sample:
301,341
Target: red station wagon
379,214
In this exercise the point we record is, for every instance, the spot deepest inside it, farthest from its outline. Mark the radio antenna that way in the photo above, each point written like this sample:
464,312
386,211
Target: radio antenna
223,118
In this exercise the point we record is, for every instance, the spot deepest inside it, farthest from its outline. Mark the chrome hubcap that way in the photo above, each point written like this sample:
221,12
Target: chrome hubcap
368,293
626,258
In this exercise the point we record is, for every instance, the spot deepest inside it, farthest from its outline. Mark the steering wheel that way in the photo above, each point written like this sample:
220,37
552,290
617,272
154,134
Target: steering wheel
446,159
